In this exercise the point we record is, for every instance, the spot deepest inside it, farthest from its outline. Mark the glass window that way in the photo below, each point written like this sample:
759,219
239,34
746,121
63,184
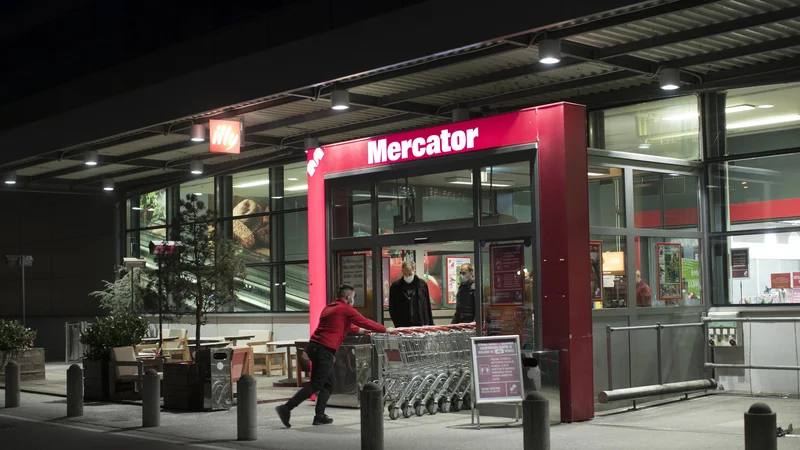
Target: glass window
253,234
203,189
251,193
254,292
442,200
352,211
606,197
667,201
609,279
668,272
295,186
762,118
147,236
761,268
152,209
296,287
667,128
295,235
506,193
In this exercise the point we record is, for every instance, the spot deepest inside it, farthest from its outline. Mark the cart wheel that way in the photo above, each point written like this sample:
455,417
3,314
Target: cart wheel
392,407
442,402
419,409
456,405
467,402
433,407
407,412
394,413
445,407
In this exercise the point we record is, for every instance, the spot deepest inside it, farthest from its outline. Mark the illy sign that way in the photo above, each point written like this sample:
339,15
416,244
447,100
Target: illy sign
225,136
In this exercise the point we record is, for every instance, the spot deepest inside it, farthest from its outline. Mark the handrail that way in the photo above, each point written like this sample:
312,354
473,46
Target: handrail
752,319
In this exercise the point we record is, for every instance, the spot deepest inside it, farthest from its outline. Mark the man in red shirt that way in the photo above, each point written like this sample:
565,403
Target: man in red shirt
336,320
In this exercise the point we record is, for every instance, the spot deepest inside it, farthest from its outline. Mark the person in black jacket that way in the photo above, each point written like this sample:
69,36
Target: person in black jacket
465,297
409,301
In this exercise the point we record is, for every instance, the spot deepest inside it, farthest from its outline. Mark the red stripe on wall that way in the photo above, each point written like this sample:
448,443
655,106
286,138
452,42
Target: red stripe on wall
740,212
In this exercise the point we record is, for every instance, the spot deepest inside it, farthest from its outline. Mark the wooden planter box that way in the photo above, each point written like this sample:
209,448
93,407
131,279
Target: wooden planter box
184,384
95,379
31,365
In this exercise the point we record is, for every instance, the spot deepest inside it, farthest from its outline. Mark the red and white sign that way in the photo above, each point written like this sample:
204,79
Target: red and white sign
507,272
225,136
781,280
796,280
497,364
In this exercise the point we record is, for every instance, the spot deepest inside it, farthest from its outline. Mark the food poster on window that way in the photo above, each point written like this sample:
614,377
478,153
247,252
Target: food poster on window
506,267
691,281
453,275
252,232
670,276
433,275
353,271
596,270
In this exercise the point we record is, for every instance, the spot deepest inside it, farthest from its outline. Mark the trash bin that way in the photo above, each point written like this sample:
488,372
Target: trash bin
540,372
220,396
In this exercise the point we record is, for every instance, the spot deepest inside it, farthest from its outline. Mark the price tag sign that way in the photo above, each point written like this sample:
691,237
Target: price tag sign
497,369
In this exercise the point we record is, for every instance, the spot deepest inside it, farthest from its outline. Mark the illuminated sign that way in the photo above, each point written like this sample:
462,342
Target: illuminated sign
225,136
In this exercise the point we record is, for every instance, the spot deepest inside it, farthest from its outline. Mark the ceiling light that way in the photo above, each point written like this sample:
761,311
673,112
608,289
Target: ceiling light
278,197
108,184
292,179
595,174
764,121
744,182
198,194
550,51
683,116
765,106
311,142
198,132
460,114
90,158
251,184
136,208
196,167
644,146
739,108
670,79
340,100
151,209
747,187
10,178
301,187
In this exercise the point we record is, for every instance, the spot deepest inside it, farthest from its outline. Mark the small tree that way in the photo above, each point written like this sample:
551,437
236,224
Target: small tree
200,275
124,295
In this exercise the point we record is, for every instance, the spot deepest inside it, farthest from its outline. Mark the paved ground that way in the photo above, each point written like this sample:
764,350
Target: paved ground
709,422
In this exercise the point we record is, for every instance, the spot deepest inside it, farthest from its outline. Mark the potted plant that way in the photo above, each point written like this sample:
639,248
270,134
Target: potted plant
199,275
15,341
120,330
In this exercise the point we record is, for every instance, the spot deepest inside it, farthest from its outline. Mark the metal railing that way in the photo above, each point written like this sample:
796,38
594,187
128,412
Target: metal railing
74,350
709,365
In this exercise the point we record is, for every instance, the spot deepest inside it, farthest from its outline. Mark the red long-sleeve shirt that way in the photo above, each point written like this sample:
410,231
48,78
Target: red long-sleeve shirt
336,320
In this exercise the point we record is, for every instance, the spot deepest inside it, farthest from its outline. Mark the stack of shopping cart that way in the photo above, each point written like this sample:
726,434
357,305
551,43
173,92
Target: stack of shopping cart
425,369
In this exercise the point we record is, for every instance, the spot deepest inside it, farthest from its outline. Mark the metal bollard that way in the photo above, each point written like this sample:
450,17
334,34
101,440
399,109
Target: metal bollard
74,391
536,422
760,428
246,408
12,384
371,417
151,399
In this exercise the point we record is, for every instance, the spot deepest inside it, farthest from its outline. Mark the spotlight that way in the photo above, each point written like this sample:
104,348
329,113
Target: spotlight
90,158
108,184
550,51
670,79
198,133
10,178
340,99
196,167
310,142
460,114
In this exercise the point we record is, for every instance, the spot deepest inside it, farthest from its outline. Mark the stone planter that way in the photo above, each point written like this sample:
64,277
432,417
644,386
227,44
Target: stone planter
95,379
184,384
31,364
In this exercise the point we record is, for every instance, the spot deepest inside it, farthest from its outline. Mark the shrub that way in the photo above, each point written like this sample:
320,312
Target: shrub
121,330
14,339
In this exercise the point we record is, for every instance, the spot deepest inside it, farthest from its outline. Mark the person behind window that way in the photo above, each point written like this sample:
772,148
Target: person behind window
644,296
409,301
465,297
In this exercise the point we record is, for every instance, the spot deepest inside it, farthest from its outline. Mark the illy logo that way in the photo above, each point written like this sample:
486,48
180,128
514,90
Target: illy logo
225,136
313,163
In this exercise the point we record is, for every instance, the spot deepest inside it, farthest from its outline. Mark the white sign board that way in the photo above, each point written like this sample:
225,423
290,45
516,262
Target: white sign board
497,369
353,271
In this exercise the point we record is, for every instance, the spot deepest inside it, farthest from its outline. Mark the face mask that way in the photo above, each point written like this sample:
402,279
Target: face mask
463,278
409,279
351,301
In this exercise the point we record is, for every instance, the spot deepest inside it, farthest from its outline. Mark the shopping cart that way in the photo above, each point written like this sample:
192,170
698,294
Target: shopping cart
425,369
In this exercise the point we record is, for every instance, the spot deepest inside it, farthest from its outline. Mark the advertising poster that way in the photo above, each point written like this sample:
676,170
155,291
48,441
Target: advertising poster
497,364
353,271
691,278
453,265
796,280
780,280
670,275
506,267
740,263
596,275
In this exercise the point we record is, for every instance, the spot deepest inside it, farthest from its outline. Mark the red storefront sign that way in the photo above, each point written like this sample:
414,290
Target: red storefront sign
781,280
796,280
497,363
225,136
506,270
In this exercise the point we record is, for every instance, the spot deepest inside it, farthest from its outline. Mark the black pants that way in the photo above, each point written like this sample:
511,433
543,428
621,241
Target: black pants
322,378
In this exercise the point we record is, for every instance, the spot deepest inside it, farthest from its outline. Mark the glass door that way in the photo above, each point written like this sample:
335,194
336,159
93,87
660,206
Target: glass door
355,267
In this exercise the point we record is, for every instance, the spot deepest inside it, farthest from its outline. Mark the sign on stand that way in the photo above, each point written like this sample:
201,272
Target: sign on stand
497,370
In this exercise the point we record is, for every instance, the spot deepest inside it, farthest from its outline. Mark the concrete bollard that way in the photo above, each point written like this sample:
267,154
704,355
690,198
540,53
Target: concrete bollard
12,384
74,391
246,408
151,399
536,422
371,417
760,428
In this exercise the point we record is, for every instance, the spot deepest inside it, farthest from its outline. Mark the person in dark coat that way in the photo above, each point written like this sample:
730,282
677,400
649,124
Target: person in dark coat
465,297
409,301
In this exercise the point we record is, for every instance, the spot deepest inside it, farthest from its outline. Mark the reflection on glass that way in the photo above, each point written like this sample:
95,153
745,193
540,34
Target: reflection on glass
202,189
508,287
610,274
667,201
668,272
762,118
147,236
506,193
606,197
295,186
296,287
355,268
254,292
442,200
295,235
152,209
666,128
352,211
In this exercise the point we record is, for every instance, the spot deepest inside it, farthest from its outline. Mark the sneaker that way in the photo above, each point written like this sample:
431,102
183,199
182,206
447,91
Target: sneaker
284,414
322,420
